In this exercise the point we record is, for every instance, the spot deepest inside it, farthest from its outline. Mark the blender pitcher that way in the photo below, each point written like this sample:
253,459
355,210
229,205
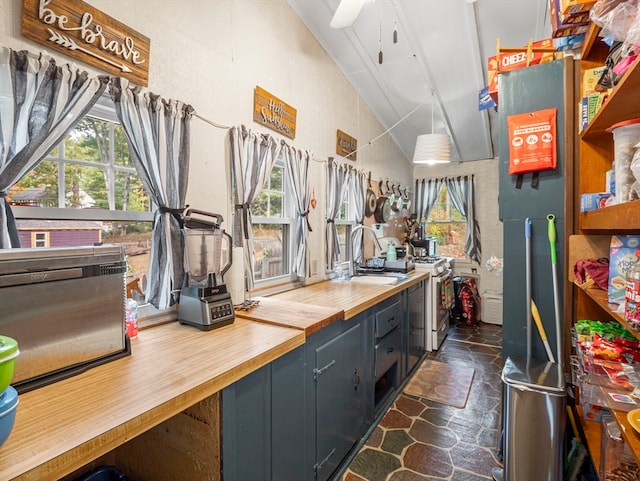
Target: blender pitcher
204,300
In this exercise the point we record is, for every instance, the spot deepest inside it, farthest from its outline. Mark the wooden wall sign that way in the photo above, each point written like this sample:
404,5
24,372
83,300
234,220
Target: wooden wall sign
346,145
272,112
83,32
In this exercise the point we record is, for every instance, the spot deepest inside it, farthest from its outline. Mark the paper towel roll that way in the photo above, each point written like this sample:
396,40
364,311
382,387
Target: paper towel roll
234,278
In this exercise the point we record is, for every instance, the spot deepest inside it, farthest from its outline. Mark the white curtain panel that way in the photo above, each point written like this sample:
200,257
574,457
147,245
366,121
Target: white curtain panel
40,102
297,163
337,176
158,131
252,158
358,187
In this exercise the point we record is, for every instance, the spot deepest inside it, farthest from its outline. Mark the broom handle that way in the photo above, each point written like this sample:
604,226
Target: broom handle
556,295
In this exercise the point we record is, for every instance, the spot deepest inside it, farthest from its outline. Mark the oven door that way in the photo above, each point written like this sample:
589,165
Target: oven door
442,301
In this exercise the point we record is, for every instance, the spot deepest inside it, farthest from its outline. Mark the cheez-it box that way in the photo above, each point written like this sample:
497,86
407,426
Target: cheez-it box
572,7
515,60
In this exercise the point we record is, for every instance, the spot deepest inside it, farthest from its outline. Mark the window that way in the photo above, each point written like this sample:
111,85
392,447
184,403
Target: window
448,226
344,224
86,192
271,214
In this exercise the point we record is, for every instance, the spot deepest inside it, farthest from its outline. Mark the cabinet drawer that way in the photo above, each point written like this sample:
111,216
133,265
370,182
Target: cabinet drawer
387,352
388,318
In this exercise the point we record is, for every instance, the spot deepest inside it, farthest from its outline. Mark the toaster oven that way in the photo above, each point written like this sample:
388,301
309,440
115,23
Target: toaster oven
64,307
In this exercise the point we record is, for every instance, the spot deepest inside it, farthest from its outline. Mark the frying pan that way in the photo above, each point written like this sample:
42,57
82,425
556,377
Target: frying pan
370,200
383,208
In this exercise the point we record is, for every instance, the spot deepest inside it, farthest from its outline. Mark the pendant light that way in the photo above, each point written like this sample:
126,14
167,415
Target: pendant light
432,148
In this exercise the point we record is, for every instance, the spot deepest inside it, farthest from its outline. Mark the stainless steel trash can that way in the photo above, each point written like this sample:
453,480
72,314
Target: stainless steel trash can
535,410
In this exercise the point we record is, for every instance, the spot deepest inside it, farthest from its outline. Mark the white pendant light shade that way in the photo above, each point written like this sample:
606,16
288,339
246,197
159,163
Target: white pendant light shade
432,149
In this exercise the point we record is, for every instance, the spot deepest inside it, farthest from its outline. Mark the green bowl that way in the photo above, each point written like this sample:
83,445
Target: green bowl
8,354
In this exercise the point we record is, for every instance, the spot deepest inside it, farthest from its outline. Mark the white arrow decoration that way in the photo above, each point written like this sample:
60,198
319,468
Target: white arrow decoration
69,43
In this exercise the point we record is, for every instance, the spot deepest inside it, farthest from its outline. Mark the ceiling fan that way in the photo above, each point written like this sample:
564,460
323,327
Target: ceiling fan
347,12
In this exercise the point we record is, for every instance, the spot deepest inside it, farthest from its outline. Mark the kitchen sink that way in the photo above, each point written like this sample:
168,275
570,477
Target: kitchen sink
379,278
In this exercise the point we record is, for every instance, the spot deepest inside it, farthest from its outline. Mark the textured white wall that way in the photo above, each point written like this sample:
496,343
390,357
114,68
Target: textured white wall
212,53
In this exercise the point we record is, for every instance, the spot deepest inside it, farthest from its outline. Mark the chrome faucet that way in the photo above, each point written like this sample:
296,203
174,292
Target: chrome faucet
378,248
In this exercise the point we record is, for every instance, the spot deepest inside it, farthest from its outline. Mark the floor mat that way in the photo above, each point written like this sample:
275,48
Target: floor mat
440,382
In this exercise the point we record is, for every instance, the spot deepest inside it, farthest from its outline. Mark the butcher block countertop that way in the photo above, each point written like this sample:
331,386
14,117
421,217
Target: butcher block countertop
65,425
352,298
61,427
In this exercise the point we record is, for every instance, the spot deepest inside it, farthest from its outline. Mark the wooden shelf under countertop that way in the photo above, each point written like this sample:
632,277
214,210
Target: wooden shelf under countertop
65,425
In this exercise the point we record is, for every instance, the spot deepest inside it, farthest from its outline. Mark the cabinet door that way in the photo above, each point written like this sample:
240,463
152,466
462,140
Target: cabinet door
289,423
246,427
416,332
339,397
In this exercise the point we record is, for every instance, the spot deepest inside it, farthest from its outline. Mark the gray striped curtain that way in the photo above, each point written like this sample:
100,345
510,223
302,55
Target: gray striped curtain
40,102
426,194
297,163
252,158
158,132
337,176
357,183
462,196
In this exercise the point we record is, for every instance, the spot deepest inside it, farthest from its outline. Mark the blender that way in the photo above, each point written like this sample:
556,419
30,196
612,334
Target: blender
204,300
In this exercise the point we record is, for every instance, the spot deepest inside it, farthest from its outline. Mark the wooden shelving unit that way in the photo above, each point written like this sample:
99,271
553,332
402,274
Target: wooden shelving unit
594,228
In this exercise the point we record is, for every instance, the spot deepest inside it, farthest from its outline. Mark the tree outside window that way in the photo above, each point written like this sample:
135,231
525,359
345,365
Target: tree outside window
448,226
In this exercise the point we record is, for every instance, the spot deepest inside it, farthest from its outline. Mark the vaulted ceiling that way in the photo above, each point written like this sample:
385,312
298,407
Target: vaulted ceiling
439,62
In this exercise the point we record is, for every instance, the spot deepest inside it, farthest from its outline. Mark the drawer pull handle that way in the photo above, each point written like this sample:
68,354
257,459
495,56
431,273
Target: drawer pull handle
389,350
356,378
391,319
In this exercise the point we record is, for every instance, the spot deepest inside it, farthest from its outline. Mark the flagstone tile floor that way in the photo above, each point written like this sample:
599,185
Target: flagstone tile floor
421,440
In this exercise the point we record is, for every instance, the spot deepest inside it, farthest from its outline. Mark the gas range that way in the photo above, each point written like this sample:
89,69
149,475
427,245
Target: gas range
434,264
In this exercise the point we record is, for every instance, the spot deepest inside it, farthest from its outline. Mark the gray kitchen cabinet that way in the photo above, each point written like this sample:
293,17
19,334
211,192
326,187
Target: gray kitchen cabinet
340,391
301,417
264,424
415,335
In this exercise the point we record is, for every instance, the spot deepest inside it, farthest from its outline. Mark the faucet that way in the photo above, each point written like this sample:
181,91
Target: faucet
352,269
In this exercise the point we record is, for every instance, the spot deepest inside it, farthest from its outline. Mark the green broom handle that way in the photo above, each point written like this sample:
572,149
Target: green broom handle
551,228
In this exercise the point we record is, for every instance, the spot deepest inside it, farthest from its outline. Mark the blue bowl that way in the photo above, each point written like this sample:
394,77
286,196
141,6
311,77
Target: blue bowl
8,403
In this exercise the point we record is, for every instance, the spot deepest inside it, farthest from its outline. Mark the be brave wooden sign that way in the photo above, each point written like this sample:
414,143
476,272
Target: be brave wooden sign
83,32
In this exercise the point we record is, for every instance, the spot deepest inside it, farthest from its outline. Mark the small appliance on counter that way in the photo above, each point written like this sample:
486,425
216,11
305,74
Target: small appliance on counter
399,261
427,247
204,300
65,308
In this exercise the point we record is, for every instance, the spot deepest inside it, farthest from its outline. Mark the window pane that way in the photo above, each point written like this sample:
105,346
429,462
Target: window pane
38,188
130,194
448,226
88,141
269,255
122,154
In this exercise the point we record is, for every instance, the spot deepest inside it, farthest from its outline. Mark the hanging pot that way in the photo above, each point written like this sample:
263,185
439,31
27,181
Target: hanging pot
369,200
393,199
383,208
399,200
407,201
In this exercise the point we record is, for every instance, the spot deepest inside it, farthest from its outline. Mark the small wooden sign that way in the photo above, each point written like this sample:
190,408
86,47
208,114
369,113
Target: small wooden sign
83,32
346,145
272,112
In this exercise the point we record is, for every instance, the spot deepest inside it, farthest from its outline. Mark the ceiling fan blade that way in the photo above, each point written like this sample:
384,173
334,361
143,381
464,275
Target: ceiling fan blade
346,13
